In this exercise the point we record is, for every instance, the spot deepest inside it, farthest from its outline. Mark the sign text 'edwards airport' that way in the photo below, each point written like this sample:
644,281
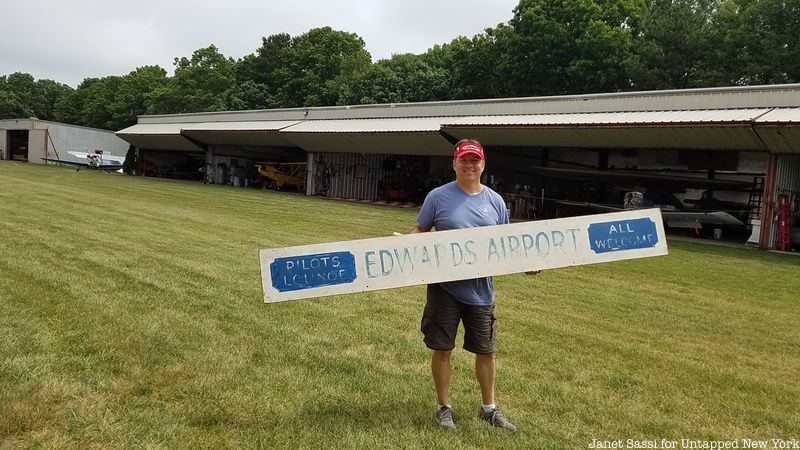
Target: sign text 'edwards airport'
396,261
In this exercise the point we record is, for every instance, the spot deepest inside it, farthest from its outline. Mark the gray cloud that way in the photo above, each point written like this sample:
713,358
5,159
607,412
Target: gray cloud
68,41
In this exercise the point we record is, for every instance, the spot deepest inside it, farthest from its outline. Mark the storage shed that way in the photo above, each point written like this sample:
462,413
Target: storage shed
33,139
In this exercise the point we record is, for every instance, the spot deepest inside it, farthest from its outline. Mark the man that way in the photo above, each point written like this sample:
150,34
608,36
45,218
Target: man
463,203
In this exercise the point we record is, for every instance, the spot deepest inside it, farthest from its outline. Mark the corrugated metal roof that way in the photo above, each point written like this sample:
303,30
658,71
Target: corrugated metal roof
152,128
754,129
682,118
738,97
384,143
404,125
244,126
165,136
780,139
256,133
635,136
779,115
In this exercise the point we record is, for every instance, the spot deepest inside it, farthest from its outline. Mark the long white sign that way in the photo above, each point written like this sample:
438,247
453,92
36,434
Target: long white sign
396,261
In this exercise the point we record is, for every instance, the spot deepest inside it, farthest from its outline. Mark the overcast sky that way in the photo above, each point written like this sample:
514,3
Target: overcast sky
69,40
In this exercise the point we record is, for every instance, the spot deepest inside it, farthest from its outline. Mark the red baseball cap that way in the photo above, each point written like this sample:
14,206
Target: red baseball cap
467,148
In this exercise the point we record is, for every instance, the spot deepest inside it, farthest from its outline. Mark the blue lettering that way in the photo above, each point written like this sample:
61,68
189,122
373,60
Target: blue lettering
387,253
492,250
405,259
513,244
572,231
558,239
527,243
369,263
453,247
471,253
539,237
426,258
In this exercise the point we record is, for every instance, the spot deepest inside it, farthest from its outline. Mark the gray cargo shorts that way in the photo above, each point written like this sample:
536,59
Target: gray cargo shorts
440,323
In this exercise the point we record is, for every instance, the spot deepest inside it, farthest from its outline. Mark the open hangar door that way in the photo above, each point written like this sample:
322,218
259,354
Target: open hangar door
18,145
703,167
181,165
238,165
700,192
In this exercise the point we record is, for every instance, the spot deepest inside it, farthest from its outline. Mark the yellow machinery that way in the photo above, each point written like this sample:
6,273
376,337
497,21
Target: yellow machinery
278,174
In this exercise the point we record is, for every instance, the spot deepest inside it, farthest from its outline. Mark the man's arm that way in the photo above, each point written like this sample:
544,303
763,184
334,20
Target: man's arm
419,229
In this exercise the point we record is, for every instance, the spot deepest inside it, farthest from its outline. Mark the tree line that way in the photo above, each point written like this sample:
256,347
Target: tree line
548,47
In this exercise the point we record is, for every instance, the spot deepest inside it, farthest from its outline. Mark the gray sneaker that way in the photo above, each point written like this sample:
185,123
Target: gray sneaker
497,419
446,417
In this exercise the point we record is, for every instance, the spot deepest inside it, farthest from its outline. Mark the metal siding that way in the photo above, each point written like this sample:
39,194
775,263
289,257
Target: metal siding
65,137
344,184
16,124
4,145
36,146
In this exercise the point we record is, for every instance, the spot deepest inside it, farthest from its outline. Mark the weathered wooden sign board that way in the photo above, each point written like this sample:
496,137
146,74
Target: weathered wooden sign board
396,261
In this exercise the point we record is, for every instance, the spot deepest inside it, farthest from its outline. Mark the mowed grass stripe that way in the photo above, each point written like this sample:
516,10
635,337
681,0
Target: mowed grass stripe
131,316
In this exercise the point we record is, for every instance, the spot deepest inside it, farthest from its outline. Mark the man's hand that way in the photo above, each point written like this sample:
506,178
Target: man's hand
419,229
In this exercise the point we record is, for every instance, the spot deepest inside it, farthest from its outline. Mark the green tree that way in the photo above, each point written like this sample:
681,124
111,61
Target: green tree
22,96
243,95
671,45
476,63
318,66
198,83
11,107
561,47
92,102
129,165
401,78
755,42
49,93
134,95
267,66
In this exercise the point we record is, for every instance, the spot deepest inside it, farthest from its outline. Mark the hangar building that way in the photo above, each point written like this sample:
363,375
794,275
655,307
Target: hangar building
734,149
33,139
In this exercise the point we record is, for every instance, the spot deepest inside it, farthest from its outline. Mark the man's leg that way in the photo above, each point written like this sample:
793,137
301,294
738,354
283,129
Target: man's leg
484,370
440,367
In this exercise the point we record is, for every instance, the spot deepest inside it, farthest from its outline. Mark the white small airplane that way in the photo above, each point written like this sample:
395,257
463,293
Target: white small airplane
96,160
673,217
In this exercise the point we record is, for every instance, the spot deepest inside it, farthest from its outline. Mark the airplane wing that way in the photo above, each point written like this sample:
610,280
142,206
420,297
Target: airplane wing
689,219
674,219
621,176
594,206
110,165
107,158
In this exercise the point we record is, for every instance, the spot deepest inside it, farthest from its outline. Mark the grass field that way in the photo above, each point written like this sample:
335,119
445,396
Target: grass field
131,316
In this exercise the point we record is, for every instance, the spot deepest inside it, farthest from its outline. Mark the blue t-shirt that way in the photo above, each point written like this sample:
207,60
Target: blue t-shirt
447,208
